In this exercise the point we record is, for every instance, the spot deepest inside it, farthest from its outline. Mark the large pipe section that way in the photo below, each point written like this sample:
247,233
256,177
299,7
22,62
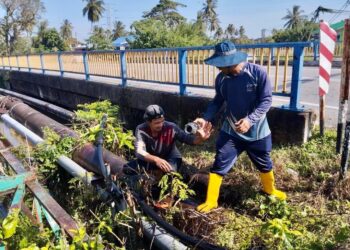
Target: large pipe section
36,121
158,235
42,105
33,119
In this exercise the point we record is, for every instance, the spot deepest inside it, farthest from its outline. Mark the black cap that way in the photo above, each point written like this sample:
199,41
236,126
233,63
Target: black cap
153,112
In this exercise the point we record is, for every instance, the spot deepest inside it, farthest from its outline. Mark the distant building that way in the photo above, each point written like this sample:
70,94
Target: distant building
338,27
123,42
80,47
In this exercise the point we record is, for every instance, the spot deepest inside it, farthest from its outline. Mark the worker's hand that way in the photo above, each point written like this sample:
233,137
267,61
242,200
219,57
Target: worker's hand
163,165
205,131
201,122
243,125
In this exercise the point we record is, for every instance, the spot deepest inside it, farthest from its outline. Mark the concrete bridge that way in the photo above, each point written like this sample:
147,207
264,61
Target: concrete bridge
175,78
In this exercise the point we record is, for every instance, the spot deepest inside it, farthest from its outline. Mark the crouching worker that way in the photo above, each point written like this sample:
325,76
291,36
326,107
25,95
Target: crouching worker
155,146
246,90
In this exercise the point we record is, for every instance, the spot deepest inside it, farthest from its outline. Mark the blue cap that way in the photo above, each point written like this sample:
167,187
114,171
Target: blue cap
226,55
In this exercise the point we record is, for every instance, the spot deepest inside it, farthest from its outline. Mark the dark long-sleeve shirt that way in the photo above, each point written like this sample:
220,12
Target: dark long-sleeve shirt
247,95
164,145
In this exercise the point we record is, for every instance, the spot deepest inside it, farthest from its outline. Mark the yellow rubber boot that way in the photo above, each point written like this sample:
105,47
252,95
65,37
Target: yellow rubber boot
268,183
212,193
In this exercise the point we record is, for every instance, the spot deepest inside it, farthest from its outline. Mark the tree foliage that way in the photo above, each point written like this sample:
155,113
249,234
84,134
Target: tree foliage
48,41
94,10
118,30
166,11
209,16
66,30
100,39
294,17
20,16
152,33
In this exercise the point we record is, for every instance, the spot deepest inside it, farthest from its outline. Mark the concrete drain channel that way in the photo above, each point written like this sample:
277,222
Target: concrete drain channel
87,164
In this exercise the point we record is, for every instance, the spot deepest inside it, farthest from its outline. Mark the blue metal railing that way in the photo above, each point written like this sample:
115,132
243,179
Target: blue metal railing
182,66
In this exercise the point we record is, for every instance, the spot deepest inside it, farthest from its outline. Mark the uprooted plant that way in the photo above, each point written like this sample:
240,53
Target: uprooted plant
172,186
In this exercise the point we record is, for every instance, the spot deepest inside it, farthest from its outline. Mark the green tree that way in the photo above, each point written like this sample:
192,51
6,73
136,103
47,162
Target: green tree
242,32
230,30
118,30
52,41
19,16
294,18
209,15
166,10
219,33
303,33
42,27
93,10
150,33
66,30
100,39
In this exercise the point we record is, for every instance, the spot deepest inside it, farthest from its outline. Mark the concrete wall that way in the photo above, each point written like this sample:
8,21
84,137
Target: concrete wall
288,127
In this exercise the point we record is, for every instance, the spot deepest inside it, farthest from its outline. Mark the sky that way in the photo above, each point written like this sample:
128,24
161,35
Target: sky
254,15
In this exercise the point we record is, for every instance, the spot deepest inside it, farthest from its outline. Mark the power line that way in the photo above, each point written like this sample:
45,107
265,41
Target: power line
342,10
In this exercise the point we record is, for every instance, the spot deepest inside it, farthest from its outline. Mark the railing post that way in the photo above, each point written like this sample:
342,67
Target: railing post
272,56
298,62
42,63
86,66
316,50
123,67
28,63
9,62
19,69
60,64
182,71
3,64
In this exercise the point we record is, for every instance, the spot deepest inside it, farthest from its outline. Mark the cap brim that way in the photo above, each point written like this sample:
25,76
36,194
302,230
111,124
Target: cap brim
228,60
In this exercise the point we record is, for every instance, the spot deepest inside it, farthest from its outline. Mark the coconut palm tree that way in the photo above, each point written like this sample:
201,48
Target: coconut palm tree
118,30
241,31
66,29
294,18
219,33
93,10
230,30
209,15
42,27
166,10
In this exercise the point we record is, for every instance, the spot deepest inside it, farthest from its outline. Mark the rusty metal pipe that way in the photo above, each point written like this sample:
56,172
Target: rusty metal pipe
46,106
86,156
33,119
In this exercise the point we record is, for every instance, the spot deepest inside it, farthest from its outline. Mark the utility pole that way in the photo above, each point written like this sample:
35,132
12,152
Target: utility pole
344,85
344,94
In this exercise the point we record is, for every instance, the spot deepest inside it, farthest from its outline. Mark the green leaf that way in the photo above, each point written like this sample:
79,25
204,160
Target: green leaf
9,224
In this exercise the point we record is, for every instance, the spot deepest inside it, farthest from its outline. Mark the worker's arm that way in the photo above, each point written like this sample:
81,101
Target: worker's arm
201,135
159,162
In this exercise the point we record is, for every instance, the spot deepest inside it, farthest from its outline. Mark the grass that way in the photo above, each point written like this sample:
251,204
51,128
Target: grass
315,216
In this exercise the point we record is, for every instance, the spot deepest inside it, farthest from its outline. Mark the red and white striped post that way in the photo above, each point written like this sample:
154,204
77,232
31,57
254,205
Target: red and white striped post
328,38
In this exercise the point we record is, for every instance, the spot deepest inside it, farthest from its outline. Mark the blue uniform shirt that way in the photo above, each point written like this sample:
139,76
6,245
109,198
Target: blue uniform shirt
247,95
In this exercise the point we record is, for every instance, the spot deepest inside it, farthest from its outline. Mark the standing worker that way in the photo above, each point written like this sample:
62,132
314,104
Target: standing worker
246,90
